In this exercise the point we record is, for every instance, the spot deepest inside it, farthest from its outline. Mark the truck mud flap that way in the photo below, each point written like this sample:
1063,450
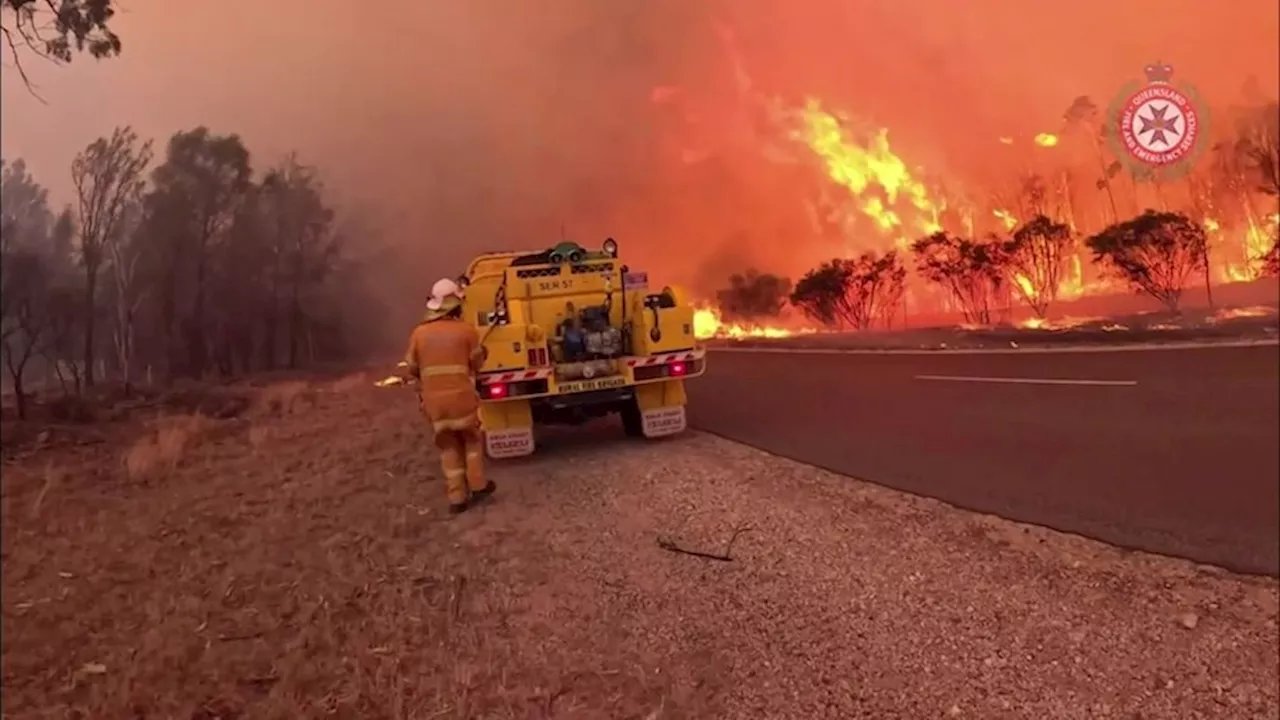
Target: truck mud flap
509,443
660,422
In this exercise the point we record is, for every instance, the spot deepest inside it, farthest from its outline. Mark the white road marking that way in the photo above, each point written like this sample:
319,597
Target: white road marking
1149,347
1027,381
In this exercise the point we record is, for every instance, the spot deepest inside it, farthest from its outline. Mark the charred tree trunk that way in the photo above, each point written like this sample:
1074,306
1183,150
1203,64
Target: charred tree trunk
175,259
1068,204
271,344
244,349
62,379
17,369
1106,180
169,319
223,351
125,308
196,356
1208,277
295,326
271,338
124,342
126,358
90,318
20,398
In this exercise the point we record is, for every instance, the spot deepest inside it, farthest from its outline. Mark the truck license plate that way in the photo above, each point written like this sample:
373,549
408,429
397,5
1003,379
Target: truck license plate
512,443
661,422
598,384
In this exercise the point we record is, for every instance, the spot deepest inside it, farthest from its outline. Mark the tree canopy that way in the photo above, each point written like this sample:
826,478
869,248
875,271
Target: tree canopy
753,295
852,292
972,271
1156,253
1034,256
57,30
193,266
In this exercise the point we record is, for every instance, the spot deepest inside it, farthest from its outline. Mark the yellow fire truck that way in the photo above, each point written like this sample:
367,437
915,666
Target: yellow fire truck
573,335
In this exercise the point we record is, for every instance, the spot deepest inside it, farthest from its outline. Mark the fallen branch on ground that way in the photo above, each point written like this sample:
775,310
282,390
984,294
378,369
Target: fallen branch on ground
671,546
455,600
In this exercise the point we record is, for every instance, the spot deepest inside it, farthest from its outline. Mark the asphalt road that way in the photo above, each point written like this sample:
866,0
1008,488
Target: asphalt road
1173,451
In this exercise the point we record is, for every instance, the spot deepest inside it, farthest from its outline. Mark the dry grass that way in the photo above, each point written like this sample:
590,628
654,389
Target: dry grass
260,435
350,383
301,565
163,448
284,399
51,478
295,563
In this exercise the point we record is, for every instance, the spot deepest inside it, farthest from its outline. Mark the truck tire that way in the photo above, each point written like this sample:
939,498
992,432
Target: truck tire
632,425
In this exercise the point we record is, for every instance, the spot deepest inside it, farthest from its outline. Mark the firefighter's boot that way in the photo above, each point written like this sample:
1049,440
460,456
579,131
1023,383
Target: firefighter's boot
484,492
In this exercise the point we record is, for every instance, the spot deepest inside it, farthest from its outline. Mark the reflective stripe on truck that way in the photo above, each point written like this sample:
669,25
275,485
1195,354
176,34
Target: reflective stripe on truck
633,362
516,376
685,356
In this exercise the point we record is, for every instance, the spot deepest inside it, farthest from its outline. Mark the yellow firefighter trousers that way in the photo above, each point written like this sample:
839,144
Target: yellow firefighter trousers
448,400
461,458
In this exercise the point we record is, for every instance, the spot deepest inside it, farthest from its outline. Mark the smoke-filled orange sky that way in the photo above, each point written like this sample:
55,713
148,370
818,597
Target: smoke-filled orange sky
489,124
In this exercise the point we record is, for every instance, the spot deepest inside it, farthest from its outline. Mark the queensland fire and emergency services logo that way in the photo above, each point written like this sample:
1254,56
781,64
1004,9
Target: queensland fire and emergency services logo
1157,128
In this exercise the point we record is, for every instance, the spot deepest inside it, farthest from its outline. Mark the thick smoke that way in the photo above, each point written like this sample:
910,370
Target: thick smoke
495,124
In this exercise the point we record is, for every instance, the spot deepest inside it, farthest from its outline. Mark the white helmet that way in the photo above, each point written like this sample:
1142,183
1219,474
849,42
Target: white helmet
442,291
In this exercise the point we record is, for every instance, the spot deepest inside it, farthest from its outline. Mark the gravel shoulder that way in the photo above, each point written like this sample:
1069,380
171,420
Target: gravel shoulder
302,566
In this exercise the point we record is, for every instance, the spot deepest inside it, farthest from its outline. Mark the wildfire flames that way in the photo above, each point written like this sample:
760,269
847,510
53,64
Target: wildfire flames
899,204
879,201
708,324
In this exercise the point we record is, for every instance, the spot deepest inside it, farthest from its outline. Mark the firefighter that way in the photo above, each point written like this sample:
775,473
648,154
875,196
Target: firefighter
444,355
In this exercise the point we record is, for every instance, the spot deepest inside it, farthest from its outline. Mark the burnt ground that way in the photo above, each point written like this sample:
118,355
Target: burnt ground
1260,323
286,554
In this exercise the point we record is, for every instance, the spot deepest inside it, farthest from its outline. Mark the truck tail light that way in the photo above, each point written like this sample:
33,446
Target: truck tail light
676,369
497,391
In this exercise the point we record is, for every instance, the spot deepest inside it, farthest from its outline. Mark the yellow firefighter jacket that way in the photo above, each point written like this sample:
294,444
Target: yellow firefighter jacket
444,354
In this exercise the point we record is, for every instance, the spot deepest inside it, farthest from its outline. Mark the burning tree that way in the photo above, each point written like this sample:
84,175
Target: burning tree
753,295
1034,257
852,292
1155,252
1259,145
1271,261
972,271
1084,114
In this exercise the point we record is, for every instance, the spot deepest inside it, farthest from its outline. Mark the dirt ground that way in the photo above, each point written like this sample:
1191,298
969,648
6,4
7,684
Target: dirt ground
294,560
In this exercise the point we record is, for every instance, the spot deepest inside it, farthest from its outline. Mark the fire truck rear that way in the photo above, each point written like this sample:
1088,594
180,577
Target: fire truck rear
574,335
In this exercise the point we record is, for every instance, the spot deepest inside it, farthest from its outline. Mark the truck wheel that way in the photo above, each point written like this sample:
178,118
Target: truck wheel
632,425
